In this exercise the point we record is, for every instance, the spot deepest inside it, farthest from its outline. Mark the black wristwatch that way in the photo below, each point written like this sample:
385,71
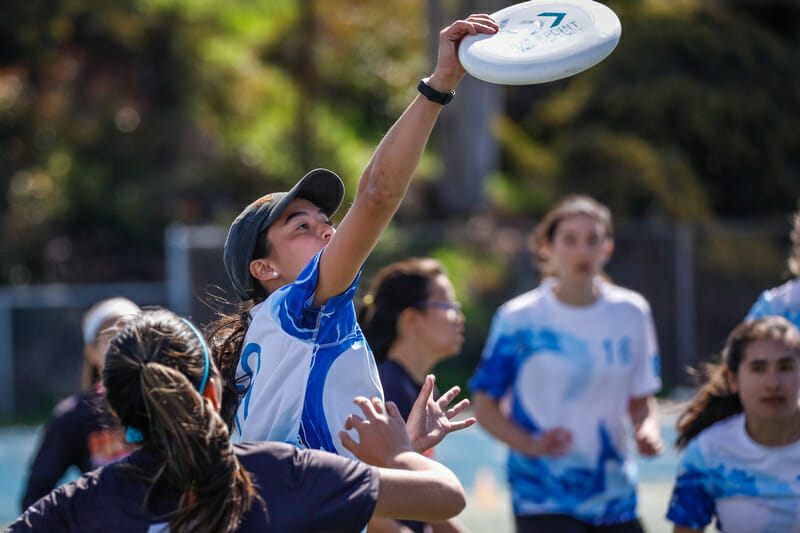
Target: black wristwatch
432,94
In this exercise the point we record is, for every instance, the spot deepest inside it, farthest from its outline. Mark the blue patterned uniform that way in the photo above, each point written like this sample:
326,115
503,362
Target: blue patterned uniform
780,301
303,366
578,368
748,487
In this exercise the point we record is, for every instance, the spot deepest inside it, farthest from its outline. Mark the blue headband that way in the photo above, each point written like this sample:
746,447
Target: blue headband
134,435
206,362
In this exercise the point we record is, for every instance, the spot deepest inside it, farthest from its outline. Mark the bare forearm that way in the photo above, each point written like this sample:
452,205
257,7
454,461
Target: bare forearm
487,411
388,174
642,409
417,488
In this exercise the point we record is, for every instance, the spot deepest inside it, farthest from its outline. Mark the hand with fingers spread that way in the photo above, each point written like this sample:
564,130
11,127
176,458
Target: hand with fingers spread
431,420
381,433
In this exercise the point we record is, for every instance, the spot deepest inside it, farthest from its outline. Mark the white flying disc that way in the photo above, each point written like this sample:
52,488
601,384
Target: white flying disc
541,41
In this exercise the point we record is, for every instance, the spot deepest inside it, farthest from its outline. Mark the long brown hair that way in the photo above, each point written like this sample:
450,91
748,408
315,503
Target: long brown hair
226,337
716,400
571,206
153,369
395,288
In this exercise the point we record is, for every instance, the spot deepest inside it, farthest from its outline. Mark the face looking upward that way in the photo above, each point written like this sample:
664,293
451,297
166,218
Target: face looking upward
296,236
579,249
768,381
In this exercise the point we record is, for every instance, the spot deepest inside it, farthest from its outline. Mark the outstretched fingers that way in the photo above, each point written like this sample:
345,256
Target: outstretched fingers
447,398
462,424
460,406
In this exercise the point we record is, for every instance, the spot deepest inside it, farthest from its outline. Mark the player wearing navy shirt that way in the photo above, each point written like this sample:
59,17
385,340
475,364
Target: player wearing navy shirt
412,321
81,431
188,476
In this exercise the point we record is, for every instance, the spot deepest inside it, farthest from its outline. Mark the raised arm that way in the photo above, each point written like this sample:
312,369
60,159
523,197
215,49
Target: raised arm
387,175
412,487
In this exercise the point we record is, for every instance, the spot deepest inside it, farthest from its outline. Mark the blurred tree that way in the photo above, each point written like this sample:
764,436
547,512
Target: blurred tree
692,114
119,117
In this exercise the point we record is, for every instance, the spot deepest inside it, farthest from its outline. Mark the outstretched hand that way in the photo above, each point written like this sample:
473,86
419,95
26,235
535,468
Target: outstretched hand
448,68
431,420
381,433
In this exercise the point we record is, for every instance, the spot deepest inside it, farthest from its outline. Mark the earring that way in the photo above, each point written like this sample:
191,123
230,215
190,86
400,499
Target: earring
274,274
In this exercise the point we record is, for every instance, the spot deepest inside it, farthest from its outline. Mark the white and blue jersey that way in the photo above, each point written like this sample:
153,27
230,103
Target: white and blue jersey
577,368
301,367
748,487
783,300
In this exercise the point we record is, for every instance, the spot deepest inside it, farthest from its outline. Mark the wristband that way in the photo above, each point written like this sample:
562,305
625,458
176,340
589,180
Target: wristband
432,94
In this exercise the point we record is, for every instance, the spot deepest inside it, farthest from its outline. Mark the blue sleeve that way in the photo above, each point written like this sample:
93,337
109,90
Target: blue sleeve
692,504
295,313
762,307
498,368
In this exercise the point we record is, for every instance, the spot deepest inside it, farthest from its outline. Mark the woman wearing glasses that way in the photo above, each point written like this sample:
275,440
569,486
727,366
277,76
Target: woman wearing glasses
411,320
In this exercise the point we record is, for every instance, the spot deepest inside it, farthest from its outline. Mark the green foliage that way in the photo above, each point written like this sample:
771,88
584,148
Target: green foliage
694,113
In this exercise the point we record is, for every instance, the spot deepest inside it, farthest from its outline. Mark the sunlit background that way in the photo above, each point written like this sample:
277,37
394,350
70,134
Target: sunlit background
133,131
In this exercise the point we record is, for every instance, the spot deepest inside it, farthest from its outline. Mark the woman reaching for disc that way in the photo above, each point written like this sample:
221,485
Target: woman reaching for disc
188,476
294,357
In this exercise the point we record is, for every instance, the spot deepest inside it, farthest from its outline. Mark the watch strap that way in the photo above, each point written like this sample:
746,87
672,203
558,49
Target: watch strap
432,94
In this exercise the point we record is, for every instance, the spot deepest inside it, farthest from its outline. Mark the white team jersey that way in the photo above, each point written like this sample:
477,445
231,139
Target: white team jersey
578,368
301,367
749,487
783,300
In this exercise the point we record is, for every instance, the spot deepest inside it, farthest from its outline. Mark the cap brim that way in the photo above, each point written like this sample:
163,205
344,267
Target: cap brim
321,187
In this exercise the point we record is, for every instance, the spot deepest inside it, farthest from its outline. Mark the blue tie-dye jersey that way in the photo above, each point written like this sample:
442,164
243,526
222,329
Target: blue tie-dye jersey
783,300
577,368
748,487
301,367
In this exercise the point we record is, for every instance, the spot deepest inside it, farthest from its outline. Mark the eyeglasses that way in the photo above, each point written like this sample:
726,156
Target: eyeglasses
444,305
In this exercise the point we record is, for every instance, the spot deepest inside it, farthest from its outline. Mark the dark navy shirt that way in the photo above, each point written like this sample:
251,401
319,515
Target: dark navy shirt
303,491
81,432
400,388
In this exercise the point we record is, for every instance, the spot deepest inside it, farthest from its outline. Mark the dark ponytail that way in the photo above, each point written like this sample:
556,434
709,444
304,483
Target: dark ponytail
396,287
153,369
716,400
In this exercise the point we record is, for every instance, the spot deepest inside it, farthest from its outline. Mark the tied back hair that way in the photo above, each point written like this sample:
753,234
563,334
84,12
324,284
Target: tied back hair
716,399
573,205
153,368
395,288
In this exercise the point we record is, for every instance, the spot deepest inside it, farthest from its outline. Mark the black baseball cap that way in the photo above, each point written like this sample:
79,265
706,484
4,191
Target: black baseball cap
321,187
